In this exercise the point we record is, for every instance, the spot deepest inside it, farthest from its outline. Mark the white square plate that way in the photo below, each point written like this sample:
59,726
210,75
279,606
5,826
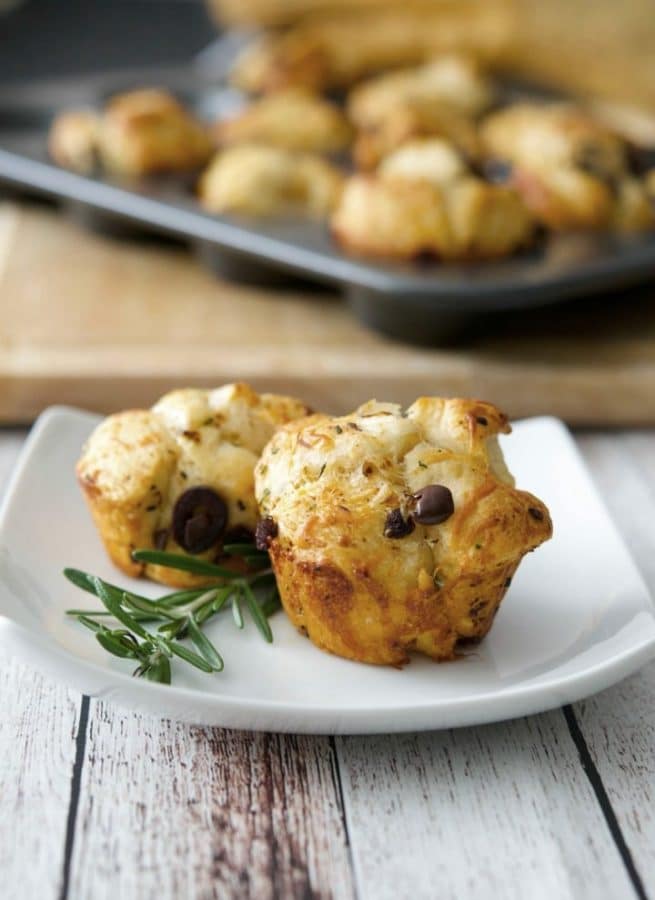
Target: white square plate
577,618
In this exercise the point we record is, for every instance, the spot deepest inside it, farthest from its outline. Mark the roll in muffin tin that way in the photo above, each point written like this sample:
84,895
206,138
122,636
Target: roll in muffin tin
425,302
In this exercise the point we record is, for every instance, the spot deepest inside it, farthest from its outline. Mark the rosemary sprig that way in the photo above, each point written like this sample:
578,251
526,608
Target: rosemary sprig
179,614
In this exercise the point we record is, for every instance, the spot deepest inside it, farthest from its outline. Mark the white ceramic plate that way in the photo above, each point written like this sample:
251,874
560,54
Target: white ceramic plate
577,618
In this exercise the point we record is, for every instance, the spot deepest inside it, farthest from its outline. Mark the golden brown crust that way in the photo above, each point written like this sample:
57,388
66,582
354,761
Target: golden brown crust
73,141
139,133
294,119
432,160
330,485
386,218
265,181
336,50
412,120
423,201
454,81
571,170
137,463
438,99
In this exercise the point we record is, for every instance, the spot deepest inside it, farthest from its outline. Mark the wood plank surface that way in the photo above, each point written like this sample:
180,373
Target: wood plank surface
171,812
619,724
38,730
106,324
496,811
157,809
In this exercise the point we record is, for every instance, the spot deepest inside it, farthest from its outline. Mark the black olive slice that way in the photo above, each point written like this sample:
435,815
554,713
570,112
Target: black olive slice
434,504
239,534
265,532
199,519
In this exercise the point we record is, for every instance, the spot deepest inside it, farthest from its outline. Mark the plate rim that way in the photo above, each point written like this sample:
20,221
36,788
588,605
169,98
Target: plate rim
193,706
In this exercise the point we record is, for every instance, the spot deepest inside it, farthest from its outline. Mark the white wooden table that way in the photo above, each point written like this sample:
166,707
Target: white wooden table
97,803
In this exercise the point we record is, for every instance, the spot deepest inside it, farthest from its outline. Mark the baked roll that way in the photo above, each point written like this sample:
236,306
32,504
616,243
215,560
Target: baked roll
572,171
266,181
335,50
393,531
138,133
409,121
74,140
179,476
424,201
455,81
293,120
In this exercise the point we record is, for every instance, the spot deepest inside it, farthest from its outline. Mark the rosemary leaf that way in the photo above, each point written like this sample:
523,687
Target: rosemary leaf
179,598
113,645
173,628
243,550
205,646
210,610
102,613
221,599
138,606
189,656
114,606
83,619
236,609
88,583
159,670
184,563
258,616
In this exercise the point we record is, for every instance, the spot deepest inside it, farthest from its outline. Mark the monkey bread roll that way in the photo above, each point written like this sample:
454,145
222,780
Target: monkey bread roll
393,531
257,180
337,49
294,119
572,171
141,132
425,200
179,476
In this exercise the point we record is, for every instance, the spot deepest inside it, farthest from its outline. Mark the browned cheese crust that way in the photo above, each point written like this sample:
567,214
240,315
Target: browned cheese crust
356,570
137,464
571,170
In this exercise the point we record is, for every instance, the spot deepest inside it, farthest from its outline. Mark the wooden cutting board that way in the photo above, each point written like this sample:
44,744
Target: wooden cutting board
106,324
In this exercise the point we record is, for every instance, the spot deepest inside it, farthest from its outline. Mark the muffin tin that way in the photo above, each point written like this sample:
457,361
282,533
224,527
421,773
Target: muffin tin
423,302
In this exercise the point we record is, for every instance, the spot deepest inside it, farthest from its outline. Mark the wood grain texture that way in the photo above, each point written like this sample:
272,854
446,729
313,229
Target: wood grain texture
37,749
496,811
169,811
106,324
619,724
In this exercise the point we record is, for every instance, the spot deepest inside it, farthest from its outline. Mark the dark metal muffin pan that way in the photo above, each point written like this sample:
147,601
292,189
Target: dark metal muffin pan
421,302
